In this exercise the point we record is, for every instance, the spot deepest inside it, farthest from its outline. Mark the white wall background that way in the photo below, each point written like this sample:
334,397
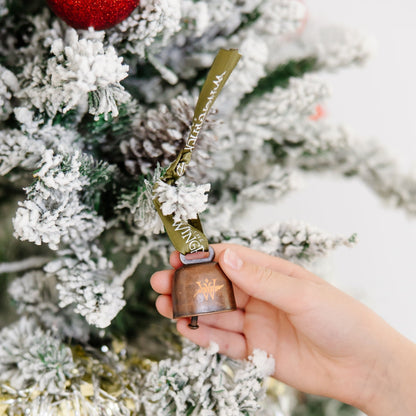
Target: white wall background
378,100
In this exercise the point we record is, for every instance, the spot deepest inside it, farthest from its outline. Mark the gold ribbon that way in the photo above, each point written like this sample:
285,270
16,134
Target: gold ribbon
188,236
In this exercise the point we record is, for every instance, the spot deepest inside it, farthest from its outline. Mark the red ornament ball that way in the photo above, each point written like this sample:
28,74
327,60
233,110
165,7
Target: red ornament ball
99,14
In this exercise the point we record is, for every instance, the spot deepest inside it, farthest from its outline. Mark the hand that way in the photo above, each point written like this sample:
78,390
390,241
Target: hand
323,341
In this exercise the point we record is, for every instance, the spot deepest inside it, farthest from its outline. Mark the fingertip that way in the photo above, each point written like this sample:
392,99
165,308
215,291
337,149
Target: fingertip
154,280
175,261
161,281
231,263
164,306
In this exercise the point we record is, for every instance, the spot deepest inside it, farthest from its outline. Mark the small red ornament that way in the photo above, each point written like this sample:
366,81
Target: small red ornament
319,113
99,14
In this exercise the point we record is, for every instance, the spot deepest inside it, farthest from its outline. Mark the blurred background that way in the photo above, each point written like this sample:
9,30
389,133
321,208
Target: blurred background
376,101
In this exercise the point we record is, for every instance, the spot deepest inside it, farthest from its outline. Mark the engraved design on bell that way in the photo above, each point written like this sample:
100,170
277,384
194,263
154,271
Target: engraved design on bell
208,288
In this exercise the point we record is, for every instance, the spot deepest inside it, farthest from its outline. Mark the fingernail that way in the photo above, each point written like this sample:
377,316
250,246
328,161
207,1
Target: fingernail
232,260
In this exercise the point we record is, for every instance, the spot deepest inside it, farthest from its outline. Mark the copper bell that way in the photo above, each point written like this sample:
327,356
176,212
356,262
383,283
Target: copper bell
200,287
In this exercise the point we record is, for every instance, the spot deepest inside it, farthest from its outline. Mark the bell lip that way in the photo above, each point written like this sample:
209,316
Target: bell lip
231,309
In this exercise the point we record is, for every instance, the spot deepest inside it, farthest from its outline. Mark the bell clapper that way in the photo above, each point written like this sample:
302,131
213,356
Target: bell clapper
194,323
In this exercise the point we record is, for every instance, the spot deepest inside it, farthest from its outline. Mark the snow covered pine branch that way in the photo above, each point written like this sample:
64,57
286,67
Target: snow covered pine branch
89,121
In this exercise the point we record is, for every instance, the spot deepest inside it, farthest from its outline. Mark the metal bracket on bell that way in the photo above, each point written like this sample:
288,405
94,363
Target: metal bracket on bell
200,287
210,257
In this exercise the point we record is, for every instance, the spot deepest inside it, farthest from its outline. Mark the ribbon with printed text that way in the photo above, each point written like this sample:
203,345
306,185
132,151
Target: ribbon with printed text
188,236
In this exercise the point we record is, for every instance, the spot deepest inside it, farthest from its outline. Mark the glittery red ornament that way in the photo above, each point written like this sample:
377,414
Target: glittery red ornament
99,14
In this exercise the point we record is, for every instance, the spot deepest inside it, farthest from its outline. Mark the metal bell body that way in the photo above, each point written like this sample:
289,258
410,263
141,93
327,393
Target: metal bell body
200,289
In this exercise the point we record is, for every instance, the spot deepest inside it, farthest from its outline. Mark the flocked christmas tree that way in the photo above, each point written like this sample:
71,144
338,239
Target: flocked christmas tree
90,120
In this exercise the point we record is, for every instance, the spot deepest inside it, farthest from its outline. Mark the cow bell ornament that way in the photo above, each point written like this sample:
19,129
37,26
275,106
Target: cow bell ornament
200,287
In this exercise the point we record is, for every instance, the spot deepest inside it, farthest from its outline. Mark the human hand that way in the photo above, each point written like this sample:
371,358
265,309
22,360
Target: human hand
323,341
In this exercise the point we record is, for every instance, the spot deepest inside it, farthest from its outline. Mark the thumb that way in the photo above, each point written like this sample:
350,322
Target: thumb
287,293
